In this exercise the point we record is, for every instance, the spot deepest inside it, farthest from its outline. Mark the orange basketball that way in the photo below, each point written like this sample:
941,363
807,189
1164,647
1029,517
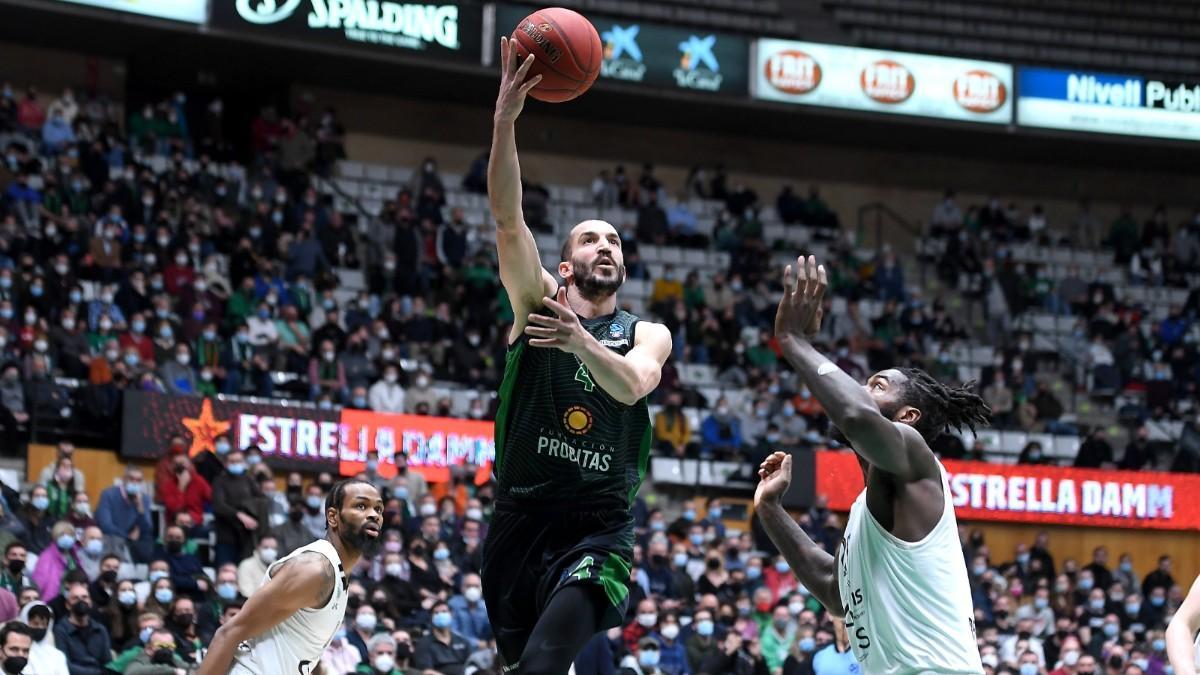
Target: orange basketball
567,52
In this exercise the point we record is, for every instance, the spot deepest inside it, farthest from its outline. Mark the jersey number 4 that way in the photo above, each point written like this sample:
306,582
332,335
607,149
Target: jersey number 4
582,375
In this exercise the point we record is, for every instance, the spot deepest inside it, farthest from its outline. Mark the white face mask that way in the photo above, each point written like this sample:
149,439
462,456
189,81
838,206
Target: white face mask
472,593
647,619
670,631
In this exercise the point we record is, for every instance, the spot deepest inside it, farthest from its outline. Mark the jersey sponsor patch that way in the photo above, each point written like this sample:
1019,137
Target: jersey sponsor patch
578,420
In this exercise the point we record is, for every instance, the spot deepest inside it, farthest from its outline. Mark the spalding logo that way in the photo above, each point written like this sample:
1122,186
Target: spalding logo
793,72
887,81
537,33
980,91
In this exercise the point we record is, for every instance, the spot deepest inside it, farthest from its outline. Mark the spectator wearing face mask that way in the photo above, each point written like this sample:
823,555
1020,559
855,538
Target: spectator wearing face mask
469,614
14,577
158,657
44,656
124,517
721,432
314,513
186,572
239,508
442,649
64,449
643,659
671,650
85,642
56,559
386,395
340,656
363,628
293,533
120,614
644,622
252,570
382,650
408,485
179,486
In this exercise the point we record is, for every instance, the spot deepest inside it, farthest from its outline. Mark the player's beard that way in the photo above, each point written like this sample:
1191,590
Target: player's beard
592,286
364,543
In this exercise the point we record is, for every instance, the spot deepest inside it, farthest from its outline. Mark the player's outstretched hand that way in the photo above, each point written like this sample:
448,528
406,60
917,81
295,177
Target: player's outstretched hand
775,475
513,85
800,309
563,331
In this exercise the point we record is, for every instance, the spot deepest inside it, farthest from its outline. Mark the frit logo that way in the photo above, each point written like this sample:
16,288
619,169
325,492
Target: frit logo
698,66
264,12
980,91
887,81
622,54
793,72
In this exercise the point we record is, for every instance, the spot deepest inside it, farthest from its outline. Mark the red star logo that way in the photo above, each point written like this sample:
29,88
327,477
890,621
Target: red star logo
205,429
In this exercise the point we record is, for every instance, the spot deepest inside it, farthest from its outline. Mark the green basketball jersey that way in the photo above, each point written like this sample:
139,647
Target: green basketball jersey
559,436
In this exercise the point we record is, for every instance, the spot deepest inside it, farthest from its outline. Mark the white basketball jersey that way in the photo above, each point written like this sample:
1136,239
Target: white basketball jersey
907,604
296,644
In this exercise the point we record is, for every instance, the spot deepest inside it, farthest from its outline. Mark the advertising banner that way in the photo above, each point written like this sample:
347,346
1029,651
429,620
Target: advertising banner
1108,103
305,437
1042,494
190,11
896,83
443,29
659,56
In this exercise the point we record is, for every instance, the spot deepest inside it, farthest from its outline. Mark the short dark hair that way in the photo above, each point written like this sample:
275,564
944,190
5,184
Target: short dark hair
110,556
942,407
565,253
17,628
14,544
337,494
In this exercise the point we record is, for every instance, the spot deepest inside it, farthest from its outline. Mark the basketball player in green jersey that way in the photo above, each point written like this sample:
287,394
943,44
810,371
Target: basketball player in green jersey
572,430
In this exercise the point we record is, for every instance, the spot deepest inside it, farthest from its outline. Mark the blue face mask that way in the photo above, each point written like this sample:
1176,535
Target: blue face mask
1157,602
94,547
441,620
696,539
753,572
76,297
782,567
65,542
1023,559
360,402
441,554
1041,603
690,514
227,591
1029,669
164,595
1159,645
401,492
704,628
807,644
253,460
1086,584
158,574
680,559
1111,629
41,503
648,657
1132,608
313,502
1096,604
236,469
658,525
1127,567
223,448
714,513
144,636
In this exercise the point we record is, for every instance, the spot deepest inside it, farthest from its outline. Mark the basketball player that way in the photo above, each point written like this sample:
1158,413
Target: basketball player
1183,650
899,578
286,625
572,428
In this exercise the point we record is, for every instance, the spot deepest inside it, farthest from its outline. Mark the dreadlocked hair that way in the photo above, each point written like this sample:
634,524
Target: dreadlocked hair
942,407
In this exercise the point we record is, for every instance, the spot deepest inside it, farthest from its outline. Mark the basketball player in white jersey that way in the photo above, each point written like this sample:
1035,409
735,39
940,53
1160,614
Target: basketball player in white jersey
899,578
1183,648
286,625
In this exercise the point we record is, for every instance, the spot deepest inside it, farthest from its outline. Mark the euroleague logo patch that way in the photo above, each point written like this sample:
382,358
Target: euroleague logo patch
615,331
578,420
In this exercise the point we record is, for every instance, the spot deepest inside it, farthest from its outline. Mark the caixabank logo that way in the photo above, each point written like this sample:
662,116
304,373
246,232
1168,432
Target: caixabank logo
698,66
623,58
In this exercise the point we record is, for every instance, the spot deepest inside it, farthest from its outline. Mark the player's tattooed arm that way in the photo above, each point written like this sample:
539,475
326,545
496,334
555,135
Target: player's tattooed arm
290,589
813,565
895,448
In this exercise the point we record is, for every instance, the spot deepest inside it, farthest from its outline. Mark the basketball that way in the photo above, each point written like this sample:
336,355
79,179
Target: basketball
567,52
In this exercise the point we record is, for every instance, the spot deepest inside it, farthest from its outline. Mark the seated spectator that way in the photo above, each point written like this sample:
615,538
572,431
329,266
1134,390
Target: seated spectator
61,488
721,432
35,518
386,395
253,569
178,486
340,656
91,549
119,614
44,655
187,573
181,620
84,641
158,655
15,576
442,649
56,559
63,449
469,614
124,517
381,649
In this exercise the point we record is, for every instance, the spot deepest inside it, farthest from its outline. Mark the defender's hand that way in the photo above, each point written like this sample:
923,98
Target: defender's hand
800,309
775,475
513,85
564,332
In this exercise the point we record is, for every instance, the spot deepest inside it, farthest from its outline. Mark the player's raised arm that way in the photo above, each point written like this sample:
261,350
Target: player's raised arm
813,565
306,581
521,269
1181,633
896,448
